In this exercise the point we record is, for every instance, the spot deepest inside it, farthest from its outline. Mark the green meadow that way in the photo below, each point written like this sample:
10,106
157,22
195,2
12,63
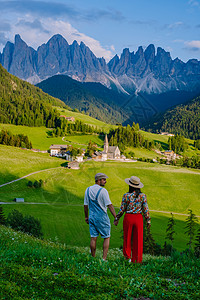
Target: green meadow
40,138
59,202
85,119
36,269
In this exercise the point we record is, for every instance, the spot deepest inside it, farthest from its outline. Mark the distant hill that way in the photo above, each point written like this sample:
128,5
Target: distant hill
24,104
93,98
183,119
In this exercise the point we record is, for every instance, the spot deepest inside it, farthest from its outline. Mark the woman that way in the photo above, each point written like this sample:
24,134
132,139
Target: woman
134,203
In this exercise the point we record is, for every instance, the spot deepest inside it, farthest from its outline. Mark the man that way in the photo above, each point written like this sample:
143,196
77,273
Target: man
97,199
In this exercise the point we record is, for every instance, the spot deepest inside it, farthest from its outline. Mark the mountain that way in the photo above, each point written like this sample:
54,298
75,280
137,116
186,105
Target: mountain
92,98
21,103
183,120
148,71
149,80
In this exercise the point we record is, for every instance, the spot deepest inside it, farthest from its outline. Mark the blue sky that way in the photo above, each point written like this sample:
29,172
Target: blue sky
106,26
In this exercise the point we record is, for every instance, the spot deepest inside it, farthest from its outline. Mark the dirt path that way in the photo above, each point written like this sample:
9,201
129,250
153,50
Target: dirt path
28,176
156,211
169,212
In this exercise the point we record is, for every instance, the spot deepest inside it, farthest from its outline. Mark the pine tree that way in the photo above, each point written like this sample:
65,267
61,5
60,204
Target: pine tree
2,216
197,244
191,227
149,244
170,230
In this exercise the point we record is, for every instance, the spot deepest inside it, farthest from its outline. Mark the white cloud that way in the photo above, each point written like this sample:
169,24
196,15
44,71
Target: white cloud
193,45
112,47
175,25
35,36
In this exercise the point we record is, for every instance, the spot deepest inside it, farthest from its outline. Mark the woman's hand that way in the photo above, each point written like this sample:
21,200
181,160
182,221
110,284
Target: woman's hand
148,225
116,222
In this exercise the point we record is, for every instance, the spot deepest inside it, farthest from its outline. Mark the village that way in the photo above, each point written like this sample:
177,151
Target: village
108,153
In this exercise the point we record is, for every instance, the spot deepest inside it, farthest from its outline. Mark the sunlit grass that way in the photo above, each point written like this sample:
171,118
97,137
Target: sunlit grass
35,269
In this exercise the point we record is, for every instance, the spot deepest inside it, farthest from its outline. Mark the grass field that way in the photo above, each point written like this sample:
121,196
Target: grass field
16,162
169,189
41,140
81,141
35,269
86,119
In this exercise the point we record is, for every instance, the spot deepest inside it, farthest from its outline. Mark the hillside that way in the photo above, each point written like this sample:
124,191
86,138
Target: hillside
59,202
24,104
35,269
183,120
92,98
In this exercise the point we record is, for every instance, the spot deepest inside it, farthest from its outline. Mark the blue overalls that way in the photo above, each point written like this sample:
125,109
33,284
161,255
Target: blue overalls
99,221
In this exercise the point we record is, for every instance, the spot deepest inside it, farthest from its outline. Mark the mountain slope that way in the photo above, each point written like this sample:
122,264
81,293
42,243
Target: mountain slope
92,98
24,104
183,119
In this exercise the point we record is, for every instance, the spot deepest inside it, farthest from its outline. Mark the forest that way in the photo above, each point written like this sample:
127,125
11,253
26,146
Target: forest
19,140
24,104
183,120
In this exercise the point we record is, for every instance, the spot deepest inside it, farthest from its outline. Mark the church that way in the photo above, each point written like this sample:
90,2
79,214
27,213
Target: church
110,152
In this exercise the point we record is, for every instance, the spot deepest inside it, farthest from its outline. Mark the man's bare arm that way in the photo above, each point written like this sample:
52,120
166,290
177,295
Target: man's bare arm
86,213
112,210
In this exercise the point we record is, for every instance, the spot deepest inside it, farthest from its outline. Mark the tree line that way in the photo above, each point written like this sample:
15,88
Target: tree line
19,140
67,127
192,231
129,136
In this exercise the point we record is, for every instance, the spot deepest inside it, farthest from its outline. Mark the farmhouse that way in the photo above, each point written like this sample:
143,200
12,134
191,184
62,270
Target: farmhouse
73,165
57,149
169,154
72,119
167,133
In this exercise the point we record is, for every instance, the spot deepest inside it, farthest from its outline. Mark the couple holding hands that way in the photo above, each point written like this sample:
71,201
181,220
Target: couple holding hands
134,205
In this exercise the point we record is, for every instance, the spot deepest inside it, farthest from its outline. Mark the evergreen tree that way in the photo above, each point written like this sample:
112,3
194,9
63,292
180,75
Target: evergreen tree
149,244
197,244
2,216
170,230
191,227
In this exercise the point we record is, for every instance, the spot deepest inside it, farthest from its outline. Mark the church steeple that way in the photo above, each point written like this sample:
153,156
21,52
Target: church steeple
106,145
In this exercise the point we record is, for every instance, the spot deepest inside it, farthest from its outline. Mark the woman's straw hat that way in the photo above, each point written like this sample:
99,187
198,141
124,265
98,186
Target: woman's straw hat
134,181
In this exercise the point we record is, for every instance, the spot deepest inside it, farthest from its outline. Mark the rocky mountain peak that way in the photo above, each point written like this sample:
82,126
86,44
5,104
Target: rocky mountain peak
149,70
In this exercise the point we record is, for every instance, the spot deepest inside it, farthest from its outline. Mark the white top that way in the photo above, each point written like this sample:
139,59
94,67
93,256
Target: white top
103,198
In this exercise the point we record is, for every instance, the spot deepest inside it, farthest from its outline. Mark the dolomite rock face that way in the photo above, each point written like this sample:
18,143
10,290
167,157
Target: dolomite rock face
148,71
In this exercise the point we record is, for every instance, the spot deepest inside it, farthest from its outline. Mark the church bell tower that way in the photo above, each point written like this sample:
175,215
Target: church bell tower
106,144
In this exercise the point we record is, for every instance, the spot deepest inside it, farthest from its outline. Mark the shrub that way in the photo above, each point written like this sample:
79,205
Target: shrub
27,224
30,184
32,226
15,220
36,184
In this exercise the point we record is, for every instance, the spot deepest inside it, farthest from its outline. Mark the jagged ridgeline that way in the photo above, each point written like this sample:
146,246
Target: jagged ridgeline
24,104
182,120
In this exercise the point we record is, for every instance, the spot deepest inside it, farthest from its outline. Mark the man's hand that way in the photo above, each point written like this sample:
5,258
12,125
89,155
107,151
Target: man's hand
87,220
